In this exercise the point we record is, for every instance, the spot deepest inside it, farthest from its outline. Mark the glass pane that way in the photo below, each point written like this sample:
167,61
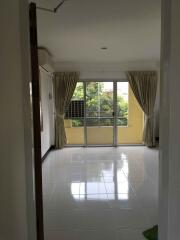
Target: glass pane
99,113
129,116
74,119
122,103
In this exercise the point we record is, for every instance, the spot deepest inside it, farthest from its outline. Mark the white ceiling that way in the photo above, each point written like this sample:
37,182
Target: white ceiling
129,28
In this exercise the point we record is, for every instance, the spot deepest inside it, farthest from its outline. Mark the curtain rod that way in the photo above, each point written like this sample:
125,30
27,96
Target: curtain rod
54,10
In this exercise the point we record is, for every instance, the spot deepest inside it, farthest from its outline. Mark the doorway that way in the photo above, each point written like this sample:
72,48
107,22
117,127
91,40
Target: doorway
81,118
103,113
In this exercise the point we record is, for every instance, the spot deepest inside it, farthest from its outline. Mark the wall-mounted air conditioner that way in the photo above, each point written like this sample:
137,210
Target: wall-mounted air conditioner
45,59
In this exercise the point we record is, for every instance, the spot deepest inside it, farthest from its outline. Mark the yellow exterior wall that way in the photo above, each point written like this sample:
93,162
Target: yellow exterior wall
132,134
100,135
134,131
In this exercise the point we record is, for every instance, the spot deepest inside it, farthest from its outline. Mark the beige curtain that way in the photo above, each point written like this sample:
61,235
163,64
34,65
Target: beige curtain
144,87
64,86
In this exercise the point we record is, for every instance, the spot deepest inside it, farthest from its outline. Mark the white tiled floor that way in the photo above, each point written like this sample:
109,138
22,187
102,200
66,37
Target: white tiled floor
100,193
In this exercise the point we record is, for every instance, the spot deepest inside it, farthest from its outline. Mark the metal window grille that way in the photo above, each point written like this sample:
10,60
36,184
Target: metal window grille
75,109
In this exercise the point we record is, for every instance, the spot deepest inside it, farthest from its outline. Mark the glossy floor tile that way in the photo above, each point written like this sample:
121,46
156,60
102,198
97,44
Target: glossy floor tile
100,193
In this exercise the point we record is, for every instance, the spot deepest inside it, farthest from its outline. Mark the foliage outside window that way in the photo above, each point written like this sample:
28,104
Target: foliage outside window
99,106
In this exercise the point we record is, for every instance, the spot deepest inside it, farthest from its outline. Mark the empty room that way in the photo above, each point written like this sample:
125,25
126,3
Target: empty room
99,64
99,68
90,115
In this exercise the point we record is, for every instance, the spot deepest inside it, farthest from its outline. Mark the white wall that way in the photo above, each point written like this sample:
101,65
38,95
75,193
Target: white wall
47,135
107,70
169,123
17,213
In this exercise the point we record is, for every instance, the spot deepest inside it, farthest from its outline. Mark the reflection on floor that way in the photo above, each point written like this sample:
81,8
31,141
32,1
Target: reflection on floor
100,193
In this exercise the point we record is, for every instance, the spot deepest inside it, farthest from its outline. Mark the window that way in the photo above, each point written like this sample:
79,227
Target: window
99,104
75,111
122,103
103,113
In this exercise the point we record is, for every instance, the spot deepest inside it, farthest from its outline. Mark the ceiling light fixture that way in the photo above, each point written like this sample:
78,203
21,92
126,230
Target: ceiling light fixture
54,10
104,48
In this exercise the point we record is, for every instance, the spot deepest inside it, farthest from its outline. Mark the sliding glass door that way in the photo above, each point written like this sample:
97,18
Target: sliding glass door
103,113
100,113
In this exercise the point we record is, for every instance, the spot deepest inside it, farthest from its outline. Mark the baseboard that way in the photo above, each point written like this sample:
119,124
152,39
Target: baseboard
48,151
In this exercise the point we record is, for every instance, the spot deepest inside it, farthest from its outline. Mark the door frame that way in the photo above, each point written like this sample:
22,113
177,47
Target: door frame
36,121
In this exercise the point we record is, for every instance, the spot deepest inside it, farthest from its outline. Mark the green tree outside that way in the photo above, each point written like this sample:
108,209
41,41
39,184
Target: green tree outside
99,105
